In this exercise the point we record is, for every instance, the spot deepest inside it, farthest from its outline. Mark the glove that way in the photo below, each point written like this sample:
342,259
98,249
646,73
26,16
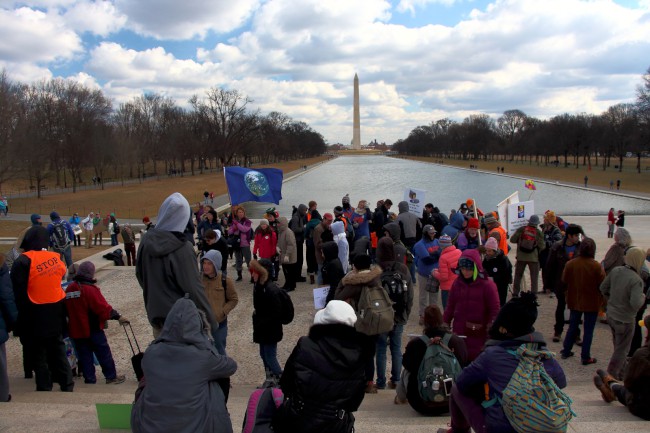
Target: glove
254,256
123,320
278,250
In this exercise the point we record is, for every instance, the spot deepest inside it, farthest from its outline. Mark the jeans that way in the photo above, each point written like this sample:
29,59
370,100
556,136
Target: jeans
622,334
520,267
574,331
444,296
114,240
219,335
269,355
319,275
66,255
395,338
242,254
425,298
98,345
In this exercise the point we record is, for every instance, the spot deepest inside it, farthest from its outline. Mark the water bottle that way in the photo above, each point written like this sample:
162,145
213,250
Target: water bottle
435,385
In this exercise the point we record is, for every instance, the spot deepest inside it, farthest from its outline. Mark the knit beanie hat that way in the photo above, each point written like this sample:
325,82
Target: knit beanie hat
86,271
518,317
490,219
328,216
634,258
533,220
444,241
34,218
362,262
338,211
473,223
336,312
549,216
146,220
264,221
491,244
54,215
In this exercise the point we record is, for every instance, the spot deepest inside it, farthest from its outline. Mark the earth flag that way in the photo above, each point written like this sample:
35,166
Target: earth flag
247,184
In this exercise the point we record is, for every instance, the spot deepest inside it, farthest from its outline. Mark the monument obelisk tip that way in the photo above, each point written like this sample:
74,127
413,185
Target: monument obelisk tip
356,126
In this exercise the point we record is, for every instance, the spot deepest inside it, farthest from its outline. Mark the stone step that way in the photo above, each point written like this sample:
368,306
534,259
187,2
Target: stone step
75,412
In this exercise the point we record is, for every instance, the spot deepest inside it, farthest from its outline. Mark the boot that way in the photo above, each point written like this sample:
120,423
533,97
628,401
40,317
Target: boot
311,279
239,276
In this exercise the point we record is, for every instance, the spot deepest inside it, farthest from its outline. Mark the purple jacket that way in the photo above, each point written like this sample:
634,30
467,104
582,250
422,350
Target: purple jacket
495,366
476,302
241,228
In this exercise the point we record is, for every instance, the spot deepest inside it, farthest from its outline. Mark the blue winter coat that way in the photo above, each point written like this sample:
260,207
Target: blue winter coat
454,226
496,366
425,260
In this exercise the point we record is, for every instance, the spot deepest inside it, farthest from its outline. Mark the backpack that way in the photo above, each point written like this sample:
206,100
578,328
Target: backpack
528,239
438,370
116,256
397,289
531,401
262,406
116,228
59,236
375,314
286,314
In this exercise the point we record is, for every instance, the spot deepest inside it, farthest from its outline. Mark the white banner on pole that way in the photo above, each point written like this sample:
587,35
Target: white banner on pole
518,214
502,208
416,198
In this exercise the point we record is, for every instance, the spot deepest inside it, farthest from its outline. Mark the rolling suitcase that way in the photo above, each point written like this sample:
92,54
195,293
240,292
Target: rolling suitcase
136,359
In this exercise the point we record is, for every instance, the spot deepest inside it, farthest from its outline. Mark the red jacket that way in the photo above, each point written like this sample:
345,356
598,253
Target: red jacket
87,309
265,244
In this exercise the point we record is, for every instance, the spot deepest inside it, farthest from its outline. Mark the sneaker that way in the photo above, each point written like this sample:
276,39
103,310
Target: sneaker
556,338
371,388
564,355
399,400
605,391
589,361
118,379
392,385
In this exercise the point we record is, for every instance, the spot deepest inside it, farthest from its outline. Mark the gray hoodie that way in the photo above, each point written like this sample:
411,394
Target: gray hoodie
410,222
166,266
182,367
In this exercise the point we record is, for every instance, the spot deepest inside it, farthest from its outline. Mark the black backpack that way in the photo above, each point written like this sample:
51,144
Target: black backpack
116,256
59,236
286,314
116,228
397,288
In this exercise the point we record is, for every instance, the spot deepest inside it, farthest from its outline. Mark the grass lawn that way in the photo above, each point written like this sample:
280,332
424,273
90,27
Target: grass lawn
137,199
631,181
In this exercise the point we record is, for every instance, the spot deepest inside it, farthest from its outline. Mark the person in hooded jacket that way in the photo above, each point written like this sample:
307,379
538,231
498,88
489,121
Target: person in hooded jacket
288,256
41,310
341,241
392,231
393,339
408,389
473,302
427,254
8,317
181,392
166,266
332,268
495,366
267,322
456,224
65,251
209,221
323,380
498,267
445,272
615,255
552,234
298,225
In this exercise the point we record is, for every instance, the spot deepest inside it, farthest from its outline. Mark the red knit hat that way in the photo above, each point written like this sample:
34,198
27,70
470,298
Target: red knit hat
472,223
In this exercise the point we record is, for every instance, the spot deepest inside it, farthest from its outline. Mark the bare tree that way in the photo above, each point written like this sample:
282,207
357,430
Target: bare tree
11,95
622,119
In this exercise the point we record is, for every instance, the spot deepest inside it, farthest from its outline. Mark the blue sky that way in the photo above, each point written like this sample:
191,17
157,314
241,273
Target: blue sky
418,60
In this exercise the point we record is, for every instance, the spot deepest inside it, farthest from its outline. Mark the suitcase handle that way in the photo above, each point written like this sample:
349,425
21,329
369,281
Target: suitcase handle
129,338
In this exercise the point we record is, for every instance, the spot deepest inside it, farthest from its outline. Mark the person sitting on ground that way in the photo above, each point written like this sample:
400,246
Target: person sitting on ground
180,391
323,380
495,366
407,389
88,312
634,392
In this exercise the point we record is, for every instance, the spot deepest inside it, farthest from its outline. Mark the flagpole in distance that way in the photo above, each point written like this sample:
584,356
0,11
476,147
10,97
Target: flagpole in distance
227,189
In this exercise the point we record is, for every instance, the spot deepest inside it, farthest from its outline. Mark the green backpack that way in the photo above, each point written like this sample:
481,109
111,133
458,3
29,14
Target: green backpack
375,314
532,401
438,371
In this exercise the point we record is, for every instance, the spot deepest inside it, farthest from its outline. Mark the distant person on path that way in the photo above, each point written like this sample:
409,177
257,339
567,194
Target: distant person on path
61,234
88,312
611,223
618,184
620,219
166,265
530,242
623,291
323,380
75,222
96,221
181,392
88,226
582,277
586,180
634,392
611,184
129,243
41,310
4,205
8,318
113,230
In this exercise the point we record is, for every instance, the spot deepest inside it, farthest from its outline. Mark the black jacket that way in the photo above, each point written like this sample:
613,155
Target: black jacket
267,321
499,268
557,259
323,382
332,268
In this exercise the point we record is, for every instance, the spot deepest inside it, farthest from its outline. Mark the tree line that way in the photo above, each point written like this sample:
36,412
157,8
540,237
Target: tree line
60,129
566,139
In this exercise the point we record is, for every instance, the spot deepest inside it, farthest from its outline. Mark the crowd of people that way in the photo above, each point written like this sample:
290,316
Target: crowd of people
471,301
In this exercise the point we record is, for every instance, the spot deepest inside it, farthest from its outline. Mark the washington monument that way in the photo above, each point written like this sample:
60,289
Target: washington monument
356,127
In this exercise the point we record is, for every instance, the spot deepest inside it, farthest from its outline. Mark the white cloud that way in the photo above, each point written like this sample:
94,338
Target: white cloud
411,5
173,19
98,17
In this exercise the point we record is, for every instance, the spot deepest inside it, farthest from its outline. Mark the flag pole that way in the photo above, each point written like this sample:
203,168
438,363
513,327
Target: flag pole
227,189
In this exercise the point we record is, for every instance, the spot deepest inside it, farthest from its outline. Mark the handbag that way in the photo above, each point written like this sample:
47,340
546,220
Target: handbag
473,329
432,285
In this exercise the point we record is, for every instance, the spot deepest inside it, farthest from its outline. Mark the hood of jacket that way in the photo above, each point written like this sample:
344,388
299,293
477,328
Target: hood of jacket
403,206
160,242
283,224
338,228
174,213
215,257
365,278
330,250
474,256
257,267
184,325
457,220
393,231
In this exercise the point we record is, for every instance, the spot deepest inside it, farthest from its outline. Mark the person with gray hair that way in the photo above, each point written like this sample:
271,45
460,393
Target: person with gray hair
615,256
166,266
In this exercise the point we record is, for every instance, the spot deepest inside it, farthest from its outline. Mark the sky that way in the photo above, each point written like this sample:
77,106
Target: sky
418,61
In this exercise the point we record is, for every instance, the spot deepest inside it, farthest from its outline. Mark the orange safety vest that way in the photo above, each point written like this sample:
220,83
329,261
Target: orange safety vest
45,274
503,239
